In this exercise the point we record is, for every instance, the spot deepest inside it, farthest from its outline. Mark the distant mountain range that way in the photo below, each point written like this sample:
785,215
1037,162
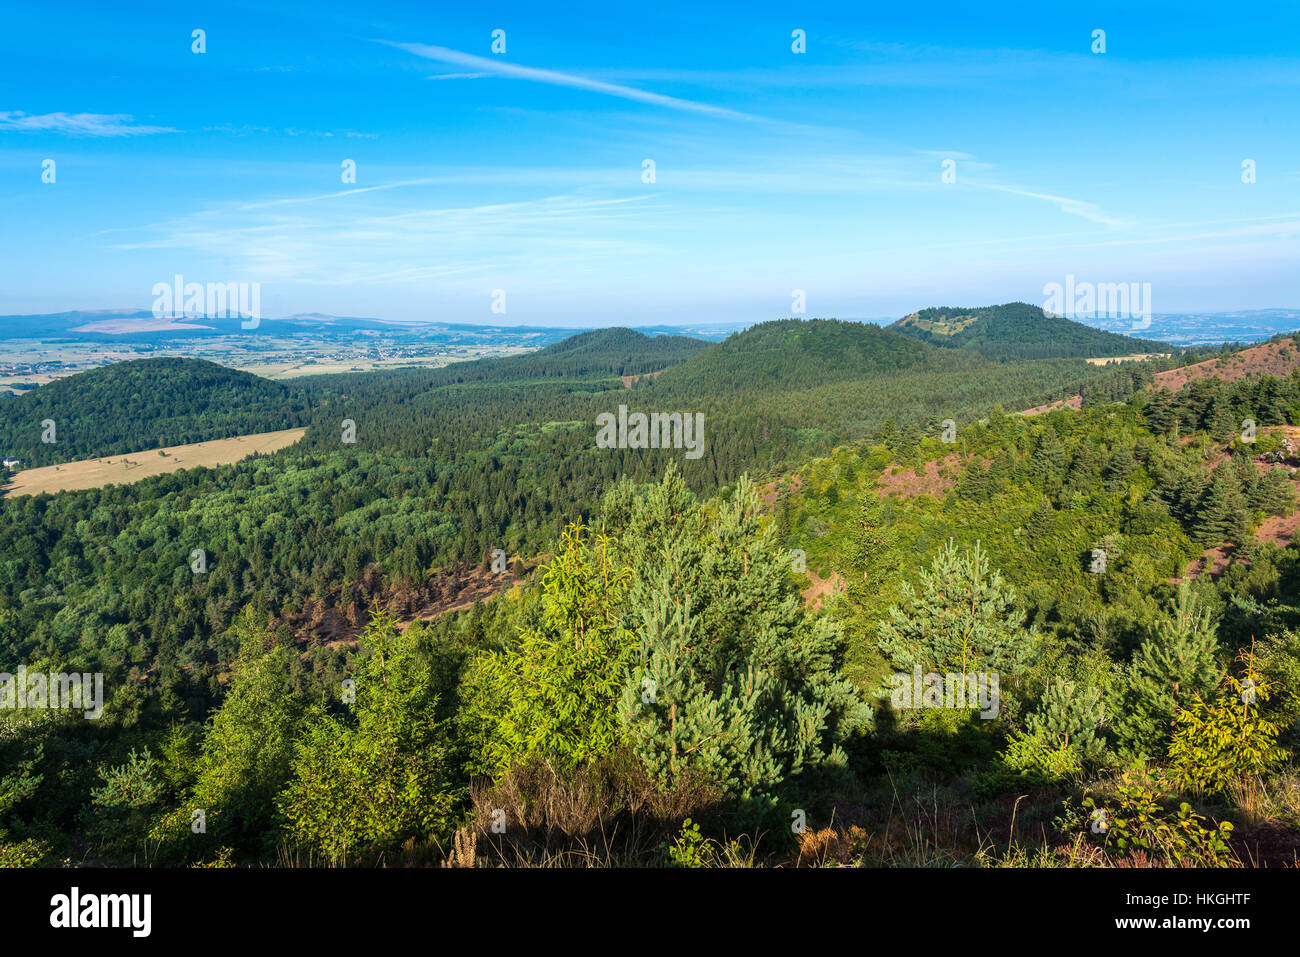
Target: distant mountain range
1208,328
140,325
148,403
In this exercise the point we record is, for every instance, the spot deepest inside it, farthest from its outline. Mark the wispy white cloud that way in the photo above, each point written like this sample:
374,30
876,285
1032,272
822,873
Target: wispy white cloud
78,124
1280,225
328,243
296,200
556,78
248,130
1073,207
1285,229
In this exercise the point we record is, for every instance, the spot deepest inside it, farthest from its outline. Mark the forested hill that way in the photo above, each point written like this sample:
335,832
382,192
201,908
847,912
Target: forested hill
796,353
1018,330
611,351
143,404
1051,539
600,352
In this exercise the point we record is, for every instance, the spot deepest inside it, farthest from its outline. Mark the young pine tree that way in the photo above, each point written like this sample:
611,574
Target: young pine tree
1060,735
960,618
1069,716
1176,663
554,696
372,780
734,685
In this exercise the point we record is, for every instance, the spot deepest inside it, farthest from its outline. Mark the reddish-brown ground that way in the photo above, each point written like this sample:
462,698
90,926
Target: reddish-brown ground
815,595
629,379
335,620
1277,529
939,476
1212,562
768,492
1271,358
1073,402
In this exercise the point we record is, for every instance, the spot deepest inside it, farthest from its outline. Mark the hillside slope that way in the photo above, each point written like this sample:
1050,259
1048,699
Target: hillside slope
796,353
1018,330
142,404
611,352
1279,357
598,353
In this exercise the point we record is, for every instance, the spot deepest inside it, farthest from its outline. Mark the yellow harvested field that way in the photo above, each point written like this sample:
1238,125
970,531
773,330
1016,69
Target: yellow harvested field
1135,357
134,466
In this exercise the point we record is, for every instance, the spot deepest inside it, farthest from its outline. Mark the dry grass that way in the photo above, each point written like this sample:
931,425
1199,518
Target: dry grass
605,815
1135,357
134,466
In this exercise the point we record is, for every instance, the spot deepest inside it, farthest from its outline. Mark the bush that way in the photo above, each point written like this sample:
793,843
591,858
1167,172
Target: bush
1139,824
1215,743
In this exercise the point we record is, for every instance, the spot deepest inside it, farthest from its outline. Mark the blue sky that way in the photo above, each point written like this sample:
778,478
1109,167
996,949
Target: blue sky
523,171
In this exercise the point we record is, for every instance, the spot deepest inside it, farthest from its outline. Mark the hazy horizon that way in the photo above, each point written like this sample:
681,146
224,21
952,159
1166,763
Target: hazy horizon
973,157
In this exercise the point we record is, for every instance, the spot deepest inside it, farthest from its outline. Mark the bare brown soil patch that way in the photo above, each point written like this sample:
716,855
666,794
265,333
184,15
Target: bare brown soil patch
1278,530
819,589
334,621
1271,358
939,475
629,379
1212,562
1073,402
768,492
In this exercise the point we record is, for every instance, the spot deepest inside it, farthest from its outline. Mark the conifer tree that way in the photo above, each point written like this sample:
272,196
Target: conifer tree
1119,467
1222,424
1159,411
734,684
246,754
960,618
1176,663
555,695
372,781
974,483
1221,512
1041,522
1060,735
1069,715
1001,471
873,552
1271,493
1049,460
